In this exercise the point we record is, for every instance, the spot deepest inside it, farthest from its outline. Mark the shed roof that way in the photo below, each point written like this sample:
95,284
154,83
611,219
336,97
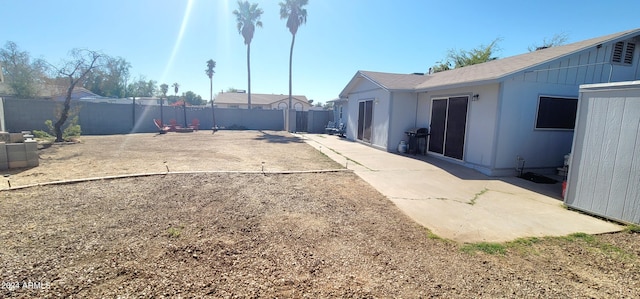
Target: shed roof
492,71
256,98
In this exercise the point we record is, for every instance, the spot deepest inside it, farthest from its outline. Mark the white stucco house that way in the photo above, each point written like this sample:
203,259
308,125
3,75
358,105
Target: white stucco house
488,116
261,101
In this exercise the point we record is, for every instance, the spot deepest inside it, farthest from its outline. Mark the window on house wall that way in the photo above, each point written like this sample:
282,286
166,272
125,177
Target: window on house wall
340,112
234,106
623,53
556,113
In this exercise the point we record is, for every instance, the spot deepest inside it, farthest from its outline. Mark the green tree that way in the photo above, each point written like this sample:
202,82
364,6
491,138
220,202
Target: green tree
21,74
556,40
110,80
248,18
192,98
164,88
75,69
296,15
143,88
462,58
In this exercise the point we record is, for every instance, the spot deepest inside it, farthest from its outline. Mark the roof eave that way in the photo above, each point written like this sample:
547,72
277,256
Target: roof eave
459,85
359,75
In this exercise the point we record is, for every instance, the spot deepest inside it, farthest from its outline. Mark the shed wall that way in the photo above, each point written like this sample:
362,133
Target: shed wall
604,172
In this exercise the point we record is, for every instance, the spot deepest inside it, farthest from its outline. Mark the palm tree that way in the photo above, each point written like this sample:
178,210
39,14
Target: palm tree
164,88
210,66
296,15
184,103
248,18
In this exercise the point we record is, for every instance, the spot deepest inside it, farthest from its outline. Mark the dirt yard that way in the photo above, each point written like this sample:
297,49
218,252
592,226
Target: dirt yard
235,235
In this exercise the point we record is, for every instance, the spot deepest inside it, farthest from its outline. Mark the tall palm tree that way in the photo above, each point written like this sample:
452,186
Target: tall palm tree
211,64
184,102
248,18
296,15
164,88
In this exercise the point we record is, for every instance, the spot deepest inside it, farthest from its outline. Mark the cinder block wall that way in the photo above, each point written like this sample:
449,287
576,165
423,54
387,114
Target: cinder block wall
4,161
19,155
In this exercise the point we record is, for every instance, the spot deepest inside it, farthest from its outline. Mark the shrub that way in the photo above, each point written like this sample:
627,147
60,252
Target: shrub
73,129
41,134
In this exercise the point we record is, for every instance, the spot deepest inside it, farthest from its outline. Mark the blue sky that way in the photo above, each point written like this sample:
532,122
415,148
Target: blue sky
171,40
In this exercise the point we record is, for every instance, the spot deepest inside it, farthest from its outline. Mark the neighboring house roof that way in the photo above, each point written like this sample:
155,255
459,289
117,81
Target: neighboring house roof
492,71
256,98
76,94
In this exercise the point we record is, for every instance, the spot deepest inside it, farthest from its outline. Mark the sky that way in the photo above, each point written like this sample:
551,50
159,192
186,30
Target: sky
171,40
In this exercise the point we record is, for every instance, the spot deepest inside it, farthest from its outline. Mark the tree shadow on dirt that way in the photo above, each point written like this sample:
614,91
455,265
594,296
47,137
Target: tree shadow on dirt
274,138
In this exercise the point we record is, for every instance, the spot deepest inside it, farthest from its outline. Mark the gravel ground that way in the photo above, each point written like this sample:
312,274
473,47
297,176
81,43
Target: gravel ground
231,235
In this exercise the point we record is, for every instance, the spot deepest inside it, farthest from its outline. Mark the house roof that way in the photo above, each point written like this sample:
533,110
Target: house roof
256,98
77,93
492,71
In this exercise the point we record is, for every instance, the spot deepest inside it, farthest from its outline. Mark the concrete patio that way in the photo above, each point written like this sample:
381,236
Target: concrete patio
459,203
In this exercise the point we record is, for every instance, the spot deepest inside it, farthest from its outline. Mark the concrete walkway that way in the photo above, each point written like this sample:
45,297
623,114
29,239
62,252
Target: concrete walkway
459,203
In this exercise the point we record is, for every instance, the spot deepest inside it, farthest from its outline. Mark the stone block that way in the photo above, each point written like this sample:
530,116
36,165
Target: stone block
18,164
16,138
5,137
16,152
31,145
33,163
3,153
32,156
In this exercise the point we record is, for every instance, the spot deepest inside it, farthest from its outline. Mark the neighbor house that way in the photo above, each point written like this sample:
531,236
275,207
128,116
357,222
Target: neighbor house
493,116
261,101
339,110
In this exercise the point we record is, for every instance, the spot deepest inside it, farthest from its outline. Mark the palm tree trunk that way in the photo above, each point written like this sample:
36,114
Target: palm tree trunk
249,74
213,115
293,40
290,108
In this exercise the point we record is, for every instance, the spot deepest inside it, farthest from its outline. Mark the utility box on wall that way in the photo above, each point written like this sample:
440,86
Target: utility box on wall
604,168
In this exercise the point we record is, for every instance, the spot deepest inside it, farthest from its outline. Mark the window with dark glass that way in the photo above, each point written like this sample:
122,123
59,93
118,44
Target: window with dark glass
556,113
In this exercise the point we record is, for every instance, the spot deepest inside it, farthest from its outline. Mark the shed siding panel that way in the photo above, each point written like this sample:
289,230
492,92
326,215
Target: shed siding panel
615,108
591,152
627,145
632,203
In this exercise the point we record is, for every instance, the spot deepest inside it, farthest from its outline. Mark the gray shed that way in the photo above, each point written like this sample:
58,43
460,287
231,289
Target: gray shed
604,168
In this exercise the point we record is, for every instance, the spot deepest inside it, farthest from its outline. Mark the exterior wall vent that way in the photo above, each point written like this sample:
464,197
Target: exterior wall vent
623,53
628,54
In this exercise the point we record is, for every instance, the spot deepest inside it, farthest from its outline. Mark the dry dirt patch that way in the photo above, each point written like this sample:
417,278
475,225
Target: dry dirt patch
98,156
253,235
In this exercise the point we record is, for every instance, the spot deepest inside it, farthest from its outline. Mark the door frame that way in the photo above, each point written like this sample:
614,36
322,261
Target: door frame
360,136
464,146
